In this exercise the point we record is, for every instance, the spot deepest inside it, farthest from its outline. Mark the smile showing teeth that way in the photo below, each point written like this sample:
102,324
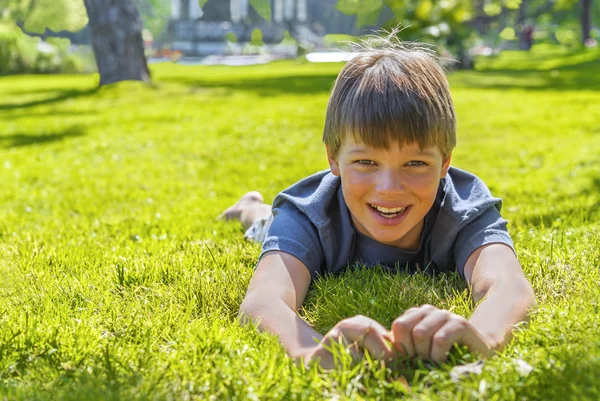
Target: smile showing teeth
388,212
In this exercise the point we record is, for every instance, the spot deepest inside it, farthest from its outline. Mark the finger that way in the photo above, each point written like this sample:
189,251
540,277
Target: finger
457,331
473,340
334,337
402,331
423,332
366,333
323,357
443,340
370,335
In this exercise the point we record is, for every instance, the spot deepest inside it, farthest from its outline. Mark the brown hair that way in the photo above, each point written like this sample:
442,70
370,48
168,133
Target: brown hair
391,92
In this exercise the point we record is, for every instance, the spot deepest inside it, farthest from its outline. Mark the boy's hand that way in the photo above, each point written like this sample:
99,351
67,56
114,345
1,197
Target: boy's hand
430,333
358,333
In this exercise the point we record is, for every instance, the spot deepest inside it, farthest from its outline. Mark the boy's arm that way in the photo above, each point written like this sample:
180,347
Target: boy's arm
504,298
503,294
278,289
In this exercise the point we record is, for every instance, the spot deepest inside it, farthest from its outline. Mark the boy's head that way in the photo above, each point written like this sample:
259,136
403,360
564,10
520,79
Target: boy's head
389,131
392,93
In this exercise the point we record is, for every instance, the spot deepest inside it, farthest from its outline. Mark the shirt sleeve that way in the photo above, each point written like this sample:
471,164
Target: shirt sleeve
292,232
487,228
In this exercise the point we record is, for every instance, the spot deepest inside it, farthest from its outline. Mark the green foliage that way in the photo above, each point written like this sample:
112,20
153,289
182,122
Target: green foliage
256,37
20,53
360,6
231,37
117,282
438,21
155,15
456,25
262,7
57,15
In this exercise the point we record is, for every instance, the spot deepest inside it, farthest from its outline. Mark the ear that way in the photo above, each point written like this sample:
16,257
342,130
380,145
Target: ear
333,164
445,165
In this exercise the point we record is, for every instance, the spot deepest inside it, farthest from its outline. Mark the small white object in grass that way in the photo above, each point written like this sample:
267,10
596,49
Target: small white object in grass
482,386
523,367
458,372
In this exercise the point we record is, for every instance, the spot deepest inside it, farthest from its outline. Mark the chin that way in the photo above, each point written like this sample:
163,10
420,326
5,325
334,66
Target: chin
387,238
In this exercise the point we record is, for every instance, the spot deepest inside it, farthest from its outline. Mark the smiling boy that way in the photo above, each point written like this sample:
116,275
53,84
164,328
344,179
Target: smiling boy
390,198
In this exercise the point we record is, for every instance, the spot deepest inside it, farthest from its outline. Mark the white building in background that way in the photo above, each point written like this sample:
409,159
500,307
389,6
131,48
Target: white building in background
280,10
175,9
197,36
195,11
301,14
288,9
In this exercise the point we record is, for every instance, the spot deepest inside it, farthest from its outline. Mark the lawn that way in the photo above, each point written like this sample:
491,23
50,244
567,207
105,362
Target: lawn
119,283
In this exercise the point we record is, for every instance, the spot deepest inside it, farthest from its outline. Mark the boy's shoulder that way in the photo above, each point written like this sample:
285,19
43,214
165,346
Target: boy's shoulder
312,195
469,217
464,196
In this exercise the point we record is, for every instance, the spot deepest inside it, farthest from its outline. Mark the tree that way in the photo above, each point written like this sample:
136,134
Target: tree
116,31
586,20
449,23
115,25
455,23
155,15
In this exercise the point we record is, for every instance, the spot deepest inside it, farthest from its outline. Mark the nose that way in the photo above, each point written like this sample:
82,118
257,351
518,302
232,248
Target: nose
390,182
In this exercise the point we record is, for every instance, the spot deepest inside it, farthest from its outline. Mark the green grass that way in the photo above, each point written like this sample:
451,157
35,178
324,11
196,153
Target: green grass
118,282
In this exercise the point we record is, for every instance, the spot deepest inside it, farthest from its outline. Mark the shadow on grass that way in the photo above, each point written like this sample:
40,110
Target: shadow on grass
60,97
31,91
53,113
582,76
25,139
264,85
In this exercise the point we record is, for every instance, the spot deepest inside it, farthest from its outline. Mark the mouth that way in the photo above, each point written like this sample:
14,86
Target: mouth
389,213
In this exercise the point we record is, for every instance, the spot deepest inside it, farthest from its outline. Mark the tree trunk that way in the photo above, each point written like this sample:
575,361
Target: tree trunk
586,20
523,28
116,34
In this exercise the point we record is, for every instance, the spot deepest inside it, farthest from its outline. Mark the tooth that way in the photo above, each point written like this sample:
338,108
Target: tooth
388,210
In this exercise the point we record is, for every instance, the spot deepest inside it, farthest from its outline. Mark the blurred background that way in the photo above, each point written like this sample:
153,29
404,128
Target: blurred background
120,38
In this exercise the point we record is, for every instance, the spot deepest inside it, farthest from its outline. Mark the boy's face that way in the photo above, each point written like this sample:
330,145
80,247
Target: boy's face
389,191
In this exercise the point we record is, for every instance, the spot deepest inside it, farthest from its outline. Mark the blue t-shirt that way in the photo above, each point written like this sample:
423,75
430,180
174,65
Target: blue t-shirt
312,222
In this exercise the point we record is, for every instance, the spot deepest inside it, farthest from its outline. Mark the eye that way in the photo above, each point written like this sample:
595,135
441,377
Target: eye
365,162
416,163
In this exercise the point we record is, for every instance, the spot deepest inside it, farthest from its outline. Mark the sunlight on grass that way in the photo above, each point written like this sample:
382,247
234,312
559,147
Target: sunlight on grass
118,282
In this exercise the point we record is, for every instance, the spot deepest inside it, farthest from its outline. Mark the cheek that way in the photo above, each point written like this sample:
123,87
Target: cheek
355,186
423,185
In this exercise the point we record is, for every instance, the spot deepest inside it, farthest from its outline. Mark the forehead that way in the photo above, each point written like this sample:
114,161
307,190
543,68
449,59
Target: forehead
352,146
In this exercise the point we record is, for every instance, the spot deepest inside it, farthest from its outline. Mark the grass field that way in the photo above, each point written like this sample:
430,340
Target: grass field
117,282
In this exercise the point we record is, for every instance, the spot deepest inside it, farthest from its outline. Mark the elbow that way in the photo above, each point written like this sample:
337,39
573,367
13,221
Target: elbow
249,310
517,289
527,297
523,297
255,307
